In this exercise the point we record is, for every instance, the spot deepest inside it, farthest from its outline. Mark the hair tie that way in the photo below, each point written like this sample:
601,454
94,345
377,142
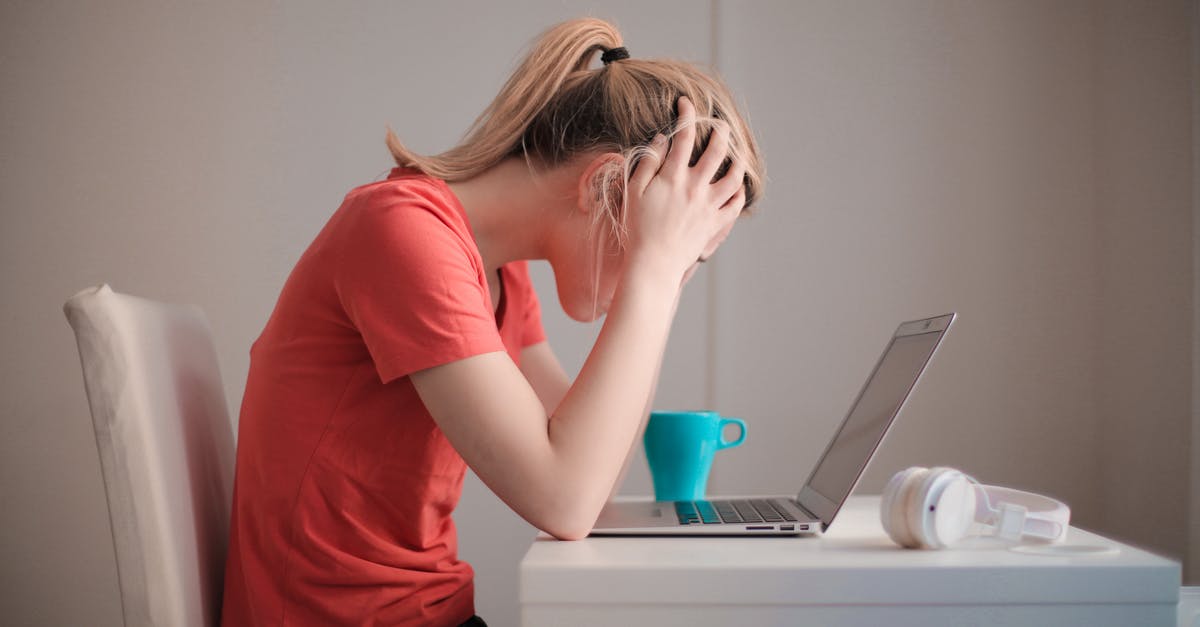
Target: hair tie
614,54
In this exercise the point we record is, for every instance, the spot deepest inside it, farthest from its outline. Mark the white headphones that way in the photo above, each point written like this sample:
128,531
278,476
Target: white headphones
932,508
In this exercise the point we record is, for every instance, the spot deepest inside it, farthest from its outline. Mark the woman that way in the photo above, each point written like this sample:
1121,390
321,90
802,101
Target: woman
407,342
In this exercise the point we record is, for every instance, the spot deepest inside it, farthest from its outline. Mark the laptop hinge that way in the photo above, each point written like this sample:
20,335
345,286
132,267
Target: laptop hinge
804,509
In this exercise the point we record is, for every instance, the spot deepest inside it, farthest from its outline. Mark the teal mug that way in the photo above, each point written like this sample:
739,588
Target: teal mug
680,447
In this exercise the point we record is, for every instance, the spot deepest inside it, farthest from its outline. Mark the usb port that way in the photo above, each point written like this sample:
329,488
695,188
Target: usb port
787,527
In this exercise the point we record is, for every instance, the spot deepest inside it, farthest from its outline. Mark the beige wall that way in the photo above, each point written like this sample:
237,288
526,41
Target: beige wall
924,158
1143,187
1026,164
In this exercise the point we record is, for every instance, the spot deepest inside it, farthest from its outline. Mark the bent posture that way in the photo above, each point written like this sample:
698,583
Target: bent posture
407,342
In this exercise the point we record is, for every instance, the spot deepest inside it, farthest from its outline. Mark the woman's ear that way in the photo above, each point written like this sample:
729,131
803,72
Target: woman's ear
600,181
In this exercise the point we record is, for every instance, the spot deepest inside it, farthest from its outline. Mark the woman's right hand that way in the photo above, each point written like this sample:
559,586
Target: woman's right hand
677,215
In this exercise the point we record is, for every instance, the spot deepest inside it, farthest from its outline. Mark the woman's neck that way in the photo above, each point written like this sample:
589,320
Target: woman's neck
512,210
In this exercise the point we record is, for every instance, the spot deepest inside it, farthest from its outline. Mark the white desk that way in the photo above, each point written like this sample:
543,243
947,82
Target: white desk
853,575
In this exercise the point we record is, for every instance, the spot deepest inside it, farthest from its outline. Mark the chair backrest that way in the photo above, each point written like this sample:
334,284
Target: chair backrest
166,451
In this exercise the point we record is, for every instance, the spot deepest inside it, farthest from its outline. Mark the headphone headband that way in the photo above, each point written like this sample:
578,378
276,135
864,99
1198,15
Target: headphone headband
1031,514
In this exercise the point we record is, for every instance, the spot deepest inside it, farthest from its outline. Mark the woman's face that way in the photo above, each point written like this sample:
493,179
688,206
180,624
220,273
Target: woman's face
587,267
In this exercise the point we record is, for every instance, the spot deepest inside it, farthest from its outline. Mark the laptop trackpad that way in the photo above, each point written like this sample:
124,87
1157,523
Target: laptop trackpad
637,514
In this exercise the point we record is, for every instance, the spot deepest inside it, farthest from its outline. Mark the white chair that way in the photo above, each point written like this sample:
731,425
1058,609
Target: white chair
166,451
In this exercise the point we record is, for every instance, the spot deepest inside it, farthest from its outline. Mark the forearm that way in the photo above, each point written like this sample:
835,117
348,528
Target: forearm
644,416
595,426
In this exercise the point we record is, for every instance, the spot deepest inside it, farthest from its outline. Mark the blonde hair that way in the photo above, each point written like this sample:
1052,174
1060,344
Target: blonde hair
555,107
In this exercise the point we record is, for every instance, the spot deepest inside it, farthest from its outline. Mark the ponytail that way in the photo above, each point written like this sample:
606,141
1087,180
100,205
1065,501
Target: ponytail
561,51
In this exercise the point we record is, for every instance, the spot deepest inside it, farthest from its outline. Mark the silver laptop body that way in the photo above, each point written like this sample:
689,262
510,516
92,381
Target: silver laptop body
832,480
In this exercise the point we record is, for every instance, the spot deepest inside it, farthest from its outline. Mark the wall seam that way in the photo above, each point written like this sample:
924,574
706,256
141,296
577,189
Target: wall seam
1192,555
1099,320
711,280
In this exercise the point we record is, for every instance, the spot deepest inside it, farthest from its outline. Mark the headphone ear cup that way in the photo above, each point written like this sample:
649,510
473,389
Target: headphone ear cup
955,511
915,506
894,511
946,503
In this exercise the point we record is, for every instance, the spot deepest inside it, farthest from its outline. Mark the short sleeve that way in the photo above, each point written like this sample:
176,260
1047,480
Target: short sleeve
413,288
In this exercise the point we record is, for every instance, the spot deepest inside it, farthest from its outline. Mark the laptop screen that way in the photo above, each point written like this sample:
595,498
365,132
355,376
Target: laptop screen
880,400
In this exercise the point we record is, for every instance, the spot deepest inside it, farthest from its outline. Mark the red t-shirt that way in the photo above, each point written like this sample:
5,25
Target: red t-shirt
344,484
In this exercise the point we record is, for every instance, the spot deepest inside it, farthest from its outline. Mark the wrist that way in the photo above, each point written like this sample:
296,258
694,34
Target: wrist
648,288
651,267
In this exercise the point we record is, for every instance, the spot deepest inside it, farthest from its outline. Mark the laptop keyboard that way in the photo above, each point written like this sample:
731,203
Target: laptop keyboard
746,511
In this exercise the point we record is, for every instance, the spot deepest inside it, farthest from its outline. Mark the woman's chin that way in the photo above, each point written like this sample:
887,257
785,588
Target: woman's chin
586,313
586,318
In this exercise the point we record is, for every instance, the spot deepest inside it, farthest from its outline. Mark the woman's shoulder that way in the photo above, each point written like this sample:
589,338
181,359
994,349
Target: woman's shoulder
406,195
409,221
406,183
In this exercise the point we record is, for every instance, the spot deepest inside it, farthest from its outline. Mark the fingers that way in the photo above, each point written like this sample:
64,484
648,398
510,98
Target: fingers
683,140
647,166
732,182
724,225
715,152
732,208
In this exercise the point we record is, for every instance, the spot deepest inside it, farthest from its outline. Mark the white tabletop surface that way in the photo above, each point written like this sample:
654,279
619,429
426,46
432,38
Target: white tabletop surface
853,563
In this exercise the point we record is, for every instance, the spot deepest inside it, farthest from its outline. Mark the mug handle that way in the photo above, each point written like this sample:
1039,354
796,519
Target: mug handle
721,443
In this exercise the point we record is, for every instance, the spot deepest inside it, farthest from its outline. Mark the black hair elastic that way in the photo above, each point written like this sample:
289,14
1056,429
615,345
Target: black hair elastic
614,54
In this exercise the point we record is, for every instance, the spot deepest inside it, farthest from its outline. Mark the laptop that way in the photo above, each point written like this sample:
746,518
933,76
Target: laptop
813,509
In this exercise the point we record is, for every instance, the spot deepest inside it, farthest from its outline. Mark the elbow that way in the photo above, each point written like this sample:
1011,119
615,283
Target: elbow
568,506
569,534
573,521
569,527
